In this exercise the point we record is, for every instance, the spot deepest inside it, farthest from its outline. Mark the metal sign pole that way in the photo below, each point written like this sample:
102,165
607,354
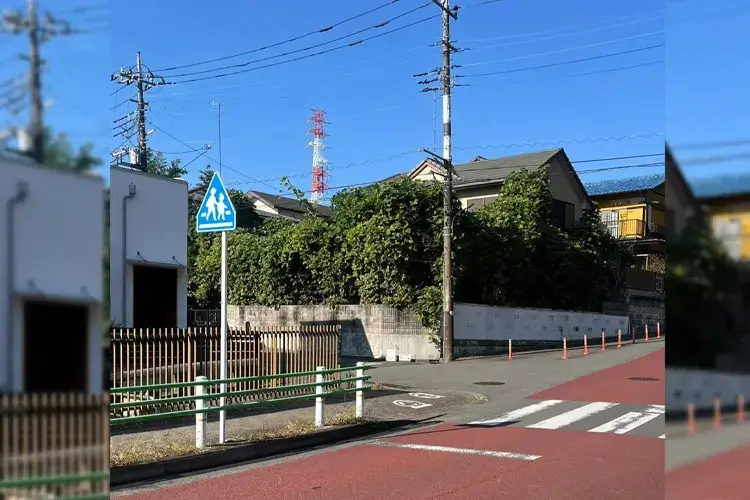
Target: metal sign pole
223,349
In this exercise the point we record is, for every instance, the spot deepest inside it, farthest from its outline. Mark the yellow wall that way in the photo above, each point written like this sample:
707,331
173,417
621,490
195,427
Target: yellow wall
628,213
739,210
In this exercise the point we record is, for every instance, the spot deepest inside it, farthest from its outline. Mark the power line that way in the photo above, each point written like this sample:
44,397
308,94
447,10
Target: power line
284,42
308,56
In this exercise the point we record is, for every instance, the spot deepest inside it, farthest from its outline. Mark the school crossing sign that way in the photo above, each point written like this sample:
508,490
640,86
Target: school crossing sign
216,212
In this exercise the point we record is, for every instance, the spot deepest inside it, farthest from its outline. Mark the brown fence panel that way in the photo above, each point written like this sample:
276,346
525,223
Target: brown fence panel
163,356
43,436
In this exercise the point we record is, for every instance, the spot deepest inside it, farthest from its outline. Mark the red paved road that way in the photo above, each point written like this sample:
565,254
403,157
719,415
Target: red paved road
722,477
613,384
573,466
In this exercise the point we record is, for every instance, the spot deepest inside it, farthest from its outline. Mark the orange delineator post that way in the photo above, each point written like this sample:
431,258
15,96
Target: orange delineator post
619,338
658,330
717,413
510,349
647,333
740,408
604,341
691,418
585,345
565,348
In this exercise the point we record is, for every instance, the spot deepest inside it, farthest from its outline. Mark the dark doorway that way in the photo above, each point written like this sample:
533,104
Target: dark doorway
55,347
154,297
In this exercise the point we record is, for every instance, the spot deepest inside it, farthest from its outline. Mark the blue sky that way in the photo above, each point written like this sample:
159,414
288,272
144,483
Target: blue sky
378,119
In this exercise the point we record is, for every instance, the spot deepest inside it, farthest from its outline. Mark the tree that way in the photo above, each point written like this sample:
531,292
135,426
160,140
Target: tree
158,165
59,153
205,175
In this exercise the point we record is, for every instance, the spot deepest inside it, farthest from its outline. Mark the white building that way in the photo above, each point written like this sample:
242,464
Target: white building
148,249
51,279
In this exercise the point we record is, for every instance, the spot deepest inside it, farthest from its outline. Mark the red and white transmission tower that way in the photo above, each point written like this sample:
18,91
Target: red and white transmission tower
319,167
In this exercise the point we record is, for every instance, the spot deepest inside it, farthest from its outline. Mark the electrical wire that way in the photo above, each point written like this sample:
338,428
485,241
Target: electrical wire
308,56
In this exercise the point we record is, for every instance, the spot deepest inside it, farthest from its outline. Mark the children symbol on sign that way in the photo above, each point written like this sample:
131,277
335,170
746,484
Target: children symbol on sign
221,207
211,205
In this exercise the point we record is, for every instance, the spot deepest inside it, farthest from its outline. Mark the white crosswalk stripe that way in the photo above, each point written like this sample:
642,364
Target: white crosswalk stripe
596,417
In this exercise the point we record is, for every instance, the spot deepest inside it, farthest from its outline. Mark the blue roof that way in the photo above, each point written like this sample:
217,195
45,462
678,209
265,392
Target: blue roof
627,185
725,185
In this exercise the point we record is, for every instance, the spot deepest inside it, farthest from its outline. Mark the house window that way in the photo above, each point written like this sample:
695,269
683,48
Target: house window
729,233
611,220
563,214
474,204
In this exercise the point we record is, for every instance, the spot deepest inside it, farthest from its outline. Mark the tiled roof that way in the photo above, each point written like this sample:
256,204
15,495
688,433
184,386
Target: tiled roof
288,203
627,185
488,171
716,187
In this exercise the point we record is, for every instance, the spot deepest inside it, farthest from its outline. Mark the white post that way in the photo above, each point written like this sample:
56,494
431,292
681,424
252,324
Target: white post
223,340
319,413
200,418
359,411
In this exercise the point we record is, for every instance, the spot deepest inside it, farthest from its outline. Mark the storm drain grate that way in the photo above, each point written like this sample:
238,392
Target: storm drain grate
489,383
644,379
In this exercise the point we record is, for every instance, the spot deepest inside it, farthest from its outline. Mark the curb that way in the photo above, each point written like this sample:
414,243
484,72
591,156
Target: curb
131,474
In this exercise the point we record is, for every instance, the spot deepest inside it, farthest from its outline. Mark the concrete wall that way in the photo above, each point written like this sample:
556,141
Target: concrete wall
157,226
367,331
702,387
57,243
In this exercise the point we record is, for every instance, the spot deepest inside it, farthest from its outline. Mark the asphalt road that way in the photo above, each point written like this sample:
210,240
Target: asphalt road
595,435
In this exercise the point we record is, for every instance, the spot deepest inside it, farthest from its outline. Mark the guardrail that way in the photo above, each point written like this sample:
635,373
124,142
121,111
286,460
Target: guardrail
318,390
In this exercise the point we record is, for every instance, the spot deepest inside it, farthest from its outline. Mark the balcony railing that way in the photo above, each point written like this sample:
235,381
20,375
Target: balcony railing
634,229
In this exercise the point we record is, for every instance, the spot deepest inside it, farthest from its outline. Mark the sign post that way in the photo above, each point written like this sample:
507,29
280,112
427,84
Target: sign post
217,213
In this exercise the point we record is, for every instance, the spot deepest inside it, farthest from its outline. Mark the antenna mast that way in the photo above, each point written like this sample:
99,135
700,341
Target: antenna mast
319,170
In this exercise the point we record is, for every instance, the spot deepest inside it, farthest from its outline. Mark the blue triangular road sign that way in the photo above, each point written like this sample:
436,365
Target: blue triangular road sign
217,212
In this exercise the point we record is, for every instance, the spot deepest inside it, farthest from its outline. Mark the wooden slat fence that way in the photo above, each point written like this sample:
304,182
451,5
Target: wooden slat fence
46,436
163,356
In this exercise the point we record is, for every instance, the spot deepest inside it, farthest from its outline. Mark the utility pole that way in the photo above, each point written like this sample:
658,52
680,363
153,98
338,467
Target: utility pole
142,157
17,23
447,161
143,83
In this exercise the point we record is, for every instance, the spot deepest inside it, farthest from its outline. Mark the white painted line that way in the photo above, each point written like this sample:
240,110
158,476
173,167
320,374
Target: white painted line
424,395
460,451
414,405
663,436
618,423
660,409
518,414
644,419
572,416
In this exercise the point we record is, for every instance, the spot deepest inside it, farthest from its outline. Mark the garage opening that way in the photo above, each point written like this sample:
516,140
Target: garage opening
56,345
154,297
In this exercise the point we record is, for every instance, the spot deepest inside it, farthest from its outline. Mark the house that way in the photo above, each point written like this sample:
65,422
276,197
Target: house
633,210
478,182
682,207
726,203
270,205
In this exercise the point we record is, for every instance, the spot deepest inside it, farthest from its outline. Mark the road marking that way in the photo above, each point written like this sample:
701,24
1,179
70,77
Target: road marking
424,395
518,414
460,451
663,436
656,409
572,416
626,423
414,405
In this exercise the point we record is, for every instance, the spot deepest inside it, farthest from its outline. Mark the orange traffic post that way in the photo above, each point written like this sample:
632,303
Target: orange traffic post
691,418
619,338
646,332
604,341
717,413
510,349
585,345
565,348
658,330
740,409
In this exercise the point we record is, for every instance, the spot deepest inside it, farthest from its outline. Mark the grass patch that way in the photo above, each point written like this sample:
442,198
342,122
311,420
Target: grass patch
137,450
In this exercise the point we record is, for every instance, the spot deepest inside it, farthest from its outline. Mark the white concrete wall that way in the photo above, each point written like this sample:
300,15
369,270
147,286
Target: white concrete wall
58,240
702,387
157,228
480,322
